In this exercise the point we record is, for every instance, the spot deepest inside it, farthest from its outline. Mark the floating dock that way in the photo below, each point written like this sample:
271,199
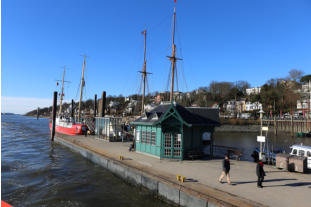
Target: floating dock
200,187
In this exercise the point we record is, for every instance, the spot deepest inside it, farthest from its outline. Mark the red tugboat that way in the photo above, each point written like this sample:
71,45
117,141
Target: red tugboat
69,126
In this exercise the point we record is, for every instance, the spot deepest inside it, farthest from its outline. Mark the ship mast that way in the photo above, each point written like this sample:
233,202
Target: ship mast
144,73
81,91
62,93
173,60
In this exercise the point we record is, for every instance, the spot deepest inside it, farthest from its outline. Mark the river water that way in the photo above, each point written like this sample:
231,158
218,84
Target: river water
36,172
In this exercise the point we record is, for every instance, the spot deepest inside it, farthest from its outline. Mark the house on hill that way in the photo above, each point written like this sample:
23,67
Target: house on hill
173,131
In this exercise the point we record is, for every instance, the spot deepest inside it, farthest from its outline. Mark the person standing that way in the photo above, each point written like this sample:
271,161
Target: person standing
225,170
260,174
84,130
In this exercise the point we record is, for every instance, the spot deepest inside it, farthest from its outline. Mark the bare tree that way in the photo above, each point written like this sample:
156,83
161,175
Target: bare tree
295,74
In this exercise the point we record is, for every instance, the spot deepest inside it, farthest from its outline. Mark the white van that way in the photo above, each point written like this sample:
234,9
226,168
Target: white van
301,150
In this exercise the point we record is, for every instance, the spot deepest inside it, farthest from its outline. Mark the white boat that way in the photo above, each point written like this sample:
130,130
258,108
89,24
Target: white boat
302,151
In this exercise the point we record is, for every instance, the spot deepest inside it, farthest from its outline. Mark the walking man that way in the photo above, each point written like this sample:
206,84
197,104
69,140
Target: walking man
225,170
260,174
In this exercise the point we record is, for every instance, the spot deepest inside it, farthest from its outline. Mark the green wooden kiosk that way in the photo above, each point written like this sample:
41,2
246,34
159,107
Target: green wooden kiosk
176,132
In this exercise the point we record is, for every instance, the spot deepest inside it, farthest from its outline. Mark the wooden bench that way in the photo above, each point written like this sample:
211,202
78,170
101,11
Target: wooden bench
194,155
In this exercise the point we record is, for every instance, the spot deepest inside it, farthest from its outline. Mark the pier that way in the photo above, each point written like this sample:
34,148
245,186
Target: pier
292,126
200,187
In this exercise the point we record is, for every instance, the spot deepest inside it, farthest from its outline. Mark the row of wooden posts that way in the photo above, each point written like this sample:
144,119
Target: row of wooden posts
102,114
292,126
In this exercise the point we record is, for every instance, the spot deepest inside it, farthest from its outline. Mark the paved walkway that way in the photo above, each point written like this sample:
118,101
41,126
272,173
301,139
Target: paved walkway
281,188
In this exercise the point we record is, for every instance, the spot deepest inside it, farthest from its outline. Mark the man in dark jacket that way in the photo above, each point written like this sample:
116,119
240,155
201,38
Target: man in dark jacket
225,170
260,174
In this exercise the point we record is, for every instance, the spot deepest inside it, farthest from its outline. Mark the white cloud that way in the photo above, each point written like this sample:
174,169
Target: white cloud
21,105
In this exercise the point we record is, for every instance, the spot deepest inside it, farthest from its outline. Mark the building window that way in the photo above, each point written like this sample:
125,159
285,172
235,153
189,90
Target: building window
177,144
137,136
143,137
148,138
153,138
167,144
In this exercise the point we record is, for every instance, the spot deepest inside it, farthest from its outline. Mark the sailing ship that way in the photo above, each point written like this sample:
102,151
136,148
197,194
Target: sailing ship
68,125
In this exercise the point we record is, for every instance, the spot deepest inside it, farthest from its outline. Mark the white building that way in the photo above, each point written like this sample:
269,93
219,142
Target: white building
233,106
303,104
305,101
113,104
249,106
230,106
255,90
149,107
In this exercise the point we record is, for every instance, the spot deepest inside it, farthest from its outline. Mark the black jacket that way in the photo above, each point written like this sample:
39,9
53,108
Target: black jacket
259,170
226,165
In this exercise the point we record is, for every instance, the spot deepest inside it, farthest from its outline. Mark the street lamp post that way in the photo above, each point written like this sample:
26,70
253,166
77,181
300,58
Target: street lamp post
261,114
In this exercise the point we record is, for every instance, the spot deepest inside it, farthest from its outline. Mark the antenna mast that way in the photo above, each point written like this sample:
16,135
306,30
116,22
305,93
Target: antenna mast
82,85
62,93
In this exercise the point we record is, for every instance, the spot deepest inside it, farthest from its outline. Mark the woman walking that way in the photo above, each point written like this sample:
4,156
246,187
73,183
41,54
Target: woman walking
225,170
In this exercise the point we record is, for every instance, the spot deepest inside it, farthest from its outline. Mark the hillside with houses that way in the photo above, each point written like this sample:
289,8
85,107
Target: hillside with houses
280,97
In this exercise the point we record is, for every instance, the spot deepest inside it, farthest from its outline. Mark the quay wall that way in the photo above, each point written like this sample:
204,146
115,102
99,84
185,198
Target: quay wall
164,189
292,126
238,128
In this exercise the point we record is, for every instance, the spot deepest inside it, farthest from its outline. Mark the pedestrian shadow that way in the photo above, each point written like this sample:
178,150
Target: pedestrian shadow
276,171
265,181
293,184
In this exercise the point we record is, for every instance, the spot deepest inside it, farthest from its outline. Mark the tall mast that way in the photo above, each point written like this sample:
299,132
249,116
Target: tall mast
81,91
62,93
144,75
173,59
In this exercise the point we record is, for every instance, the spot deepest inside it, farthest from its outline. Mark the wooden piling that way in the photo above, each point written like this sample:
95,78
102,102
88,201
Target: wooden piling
95,105
275,127
38,113
292,125
54,115
103,103
72,108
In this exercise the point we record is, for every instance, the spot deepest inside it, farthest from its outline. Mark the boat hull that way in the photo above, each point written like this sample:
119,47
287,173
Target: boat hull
75,129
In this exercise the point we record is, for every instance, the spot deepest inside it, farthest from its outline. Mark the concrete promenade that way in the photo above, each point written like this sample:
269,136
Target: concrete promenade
281,188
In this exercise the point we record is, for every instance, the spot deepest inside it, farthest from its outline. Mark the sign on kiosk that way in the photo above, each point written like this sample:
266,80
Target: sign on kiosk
261,138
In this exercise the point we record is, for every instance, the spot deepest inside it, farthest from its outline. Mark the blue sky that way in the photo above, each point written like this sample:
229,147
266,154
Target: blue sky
221,40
